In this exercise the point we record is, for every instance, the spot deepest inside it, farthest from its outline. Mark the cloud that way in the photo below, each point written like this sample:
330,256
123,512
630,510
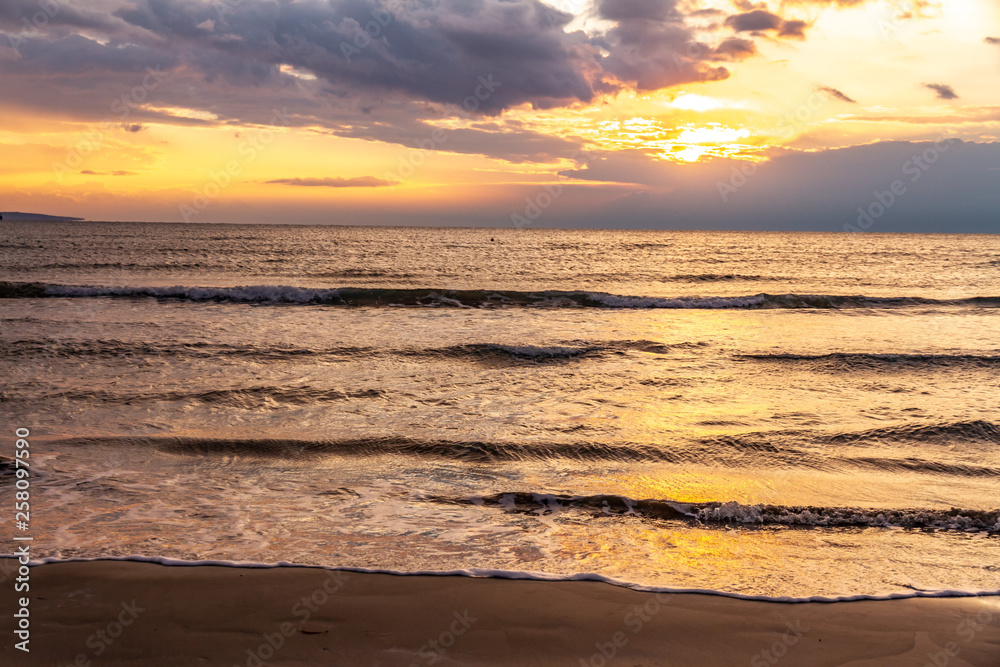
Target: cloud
944,92
384,70
910,9
77,55
650,47
793,29
35,14
381,69
116,172
735,48
432,50
965,115
502,141
940,183
649,10
435,50
359,182
992,40
760,20
836,93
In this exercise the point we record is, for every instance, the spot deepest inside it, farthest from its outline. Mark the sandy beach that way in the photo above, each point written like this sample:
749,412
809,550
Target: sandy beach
131,613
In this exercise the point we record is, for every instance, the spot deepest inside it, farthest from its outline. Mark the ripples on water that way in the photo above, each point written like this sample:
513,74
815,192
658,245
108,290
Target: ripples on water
785,414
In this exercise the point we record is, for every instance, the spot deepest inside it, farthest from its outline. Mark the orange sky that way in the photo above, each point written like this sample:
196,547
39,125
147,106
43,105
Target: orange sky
153,140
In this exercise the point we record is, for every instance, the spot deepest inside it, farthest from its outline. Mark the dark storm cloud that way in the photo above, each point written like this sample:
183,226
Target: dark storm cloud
434,50
371,68
651,47
488,55
78,55
838,94
628,10
28,16
359,182
944,91
437,50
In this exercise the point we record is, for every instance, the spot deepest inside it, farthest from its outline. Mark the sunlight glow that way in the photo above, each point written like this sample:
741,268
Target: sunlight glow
715,133
694,102
685,143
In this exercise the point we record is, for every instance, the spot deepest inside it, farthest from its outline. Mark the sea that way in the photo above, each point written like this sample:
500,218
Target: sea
778,415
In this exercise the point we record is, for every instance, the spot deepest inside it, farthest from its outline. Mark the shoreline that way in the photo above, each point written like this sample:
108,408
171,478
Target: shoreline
512,575
128,612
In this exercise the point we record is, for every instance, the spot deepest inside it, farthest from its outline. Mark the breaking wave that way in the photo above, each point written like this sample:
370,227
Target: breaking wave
734,513
388,297
731,451
489,353
943,433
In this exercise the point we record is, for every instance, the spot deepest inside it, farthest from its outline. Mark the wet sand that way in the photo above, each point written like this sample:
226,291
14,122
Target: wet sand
131,613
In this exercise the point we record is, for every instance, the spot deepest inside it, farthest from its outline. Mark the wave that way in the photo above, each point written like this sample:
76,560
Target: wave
824,451
496,354
718,278
944,433
734,513
851,361
111,349
574,350
487,353
476,451
386,297
728,452
245,398
125,265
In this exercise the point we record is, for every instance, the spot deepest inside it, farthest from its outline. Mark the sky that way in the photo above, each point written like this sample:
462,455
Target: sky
825,115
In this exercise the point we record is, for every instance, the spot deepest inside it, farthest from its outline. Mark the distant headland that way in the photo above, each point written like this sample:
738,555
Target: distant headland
33,217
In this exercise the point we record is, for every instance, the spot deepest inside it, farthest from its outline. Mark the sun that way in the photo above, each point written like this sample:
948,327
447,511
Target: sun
684,143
